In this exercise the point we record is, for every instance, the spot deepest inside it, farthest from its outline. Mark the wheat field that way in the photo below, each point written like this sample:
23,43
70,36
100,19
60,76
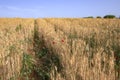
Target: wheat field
59,49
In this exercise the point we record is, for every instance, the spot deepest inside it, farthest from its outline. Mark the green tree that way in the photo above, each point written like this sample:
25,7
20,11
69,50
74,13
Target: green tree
89,17
98,17
110,16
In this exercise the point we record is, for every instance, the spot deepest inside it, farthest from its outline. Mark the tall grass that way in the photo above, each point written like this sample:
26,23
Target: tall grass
92,41
59,49
15,36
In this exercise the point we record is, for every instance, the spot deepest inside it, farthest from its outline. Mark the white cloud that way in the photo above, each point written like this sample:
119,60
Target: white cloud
21,9
14,8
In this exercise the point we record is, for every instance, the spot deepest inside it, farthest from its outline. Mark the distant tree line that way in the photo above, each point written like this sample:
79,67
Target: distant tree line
106,16
109,16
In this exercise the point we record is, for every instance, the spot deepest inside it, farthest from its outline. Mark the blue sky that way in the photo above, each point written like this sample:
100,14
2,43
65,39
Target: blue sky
58,8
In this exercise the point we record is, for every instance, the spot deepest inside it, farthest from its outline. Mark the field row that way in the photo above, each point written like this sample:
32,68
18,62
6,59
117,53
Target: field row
59,49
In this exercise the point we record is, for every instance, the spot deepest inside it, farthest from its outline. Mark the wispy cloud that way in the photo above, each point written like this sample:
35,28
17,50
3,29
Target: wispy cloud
13,11
14,8
21,9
